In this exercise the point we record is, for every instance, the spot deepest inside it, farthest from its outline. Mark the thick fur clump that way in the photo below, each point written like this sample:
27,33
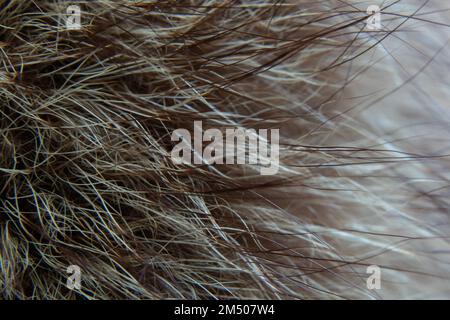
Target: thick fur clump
87,179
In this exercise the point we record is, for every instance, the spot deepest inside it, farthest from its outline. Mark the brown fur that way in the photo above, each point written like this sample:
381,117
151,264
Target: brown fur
86,176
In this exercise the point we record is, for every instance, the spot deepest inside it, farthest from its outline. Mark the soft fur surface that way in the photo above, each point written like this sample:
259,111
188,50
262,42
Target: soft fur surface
86,176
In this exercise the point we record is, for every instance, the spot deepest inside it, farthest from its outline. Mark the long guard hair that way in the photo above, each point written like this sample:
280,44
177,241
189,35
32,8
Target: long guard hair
87,179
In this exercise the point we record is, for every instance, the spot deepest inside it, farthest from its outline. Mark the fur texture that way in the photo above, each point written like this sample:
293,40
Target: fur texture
86,176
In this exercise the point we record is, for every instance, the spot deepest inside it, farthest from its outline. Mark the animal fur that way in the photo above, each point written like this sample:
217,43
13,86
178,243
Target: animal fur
86,176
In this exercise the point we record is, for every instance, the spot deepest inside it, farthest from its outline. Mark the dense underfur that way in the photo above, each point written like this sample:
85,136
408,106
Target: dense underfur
86,176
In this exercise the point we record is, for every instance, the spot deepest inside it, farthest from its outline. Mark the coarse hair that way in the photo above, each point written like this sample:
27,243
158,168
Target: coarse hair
86,176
